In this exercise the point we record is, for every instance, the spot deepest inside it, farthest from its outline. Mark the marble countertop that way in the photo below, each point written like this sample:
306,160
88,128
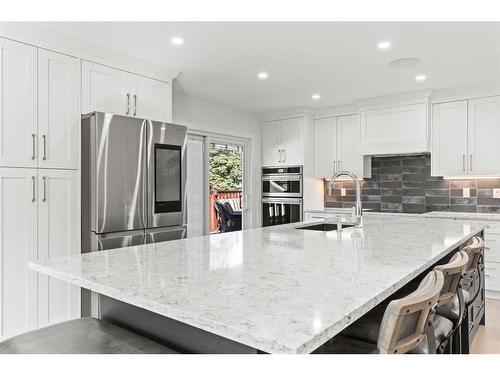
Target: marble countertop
276,289
463,215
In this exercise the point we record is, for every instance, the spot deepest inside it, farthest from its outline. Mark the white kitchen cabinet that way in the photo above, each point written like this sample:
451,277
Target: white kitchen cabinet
271,143
39,219
112,90
105,89
338,147
293,143
465,138
58,110
326,147
58,236
18,246
18,108
449,139
282,142
151,99
484,136
395,130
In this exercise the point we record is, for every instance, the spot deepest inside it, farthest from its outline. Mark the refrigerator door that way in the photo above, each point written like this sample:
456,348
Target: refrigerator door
166,234
166,147
119,173
117,240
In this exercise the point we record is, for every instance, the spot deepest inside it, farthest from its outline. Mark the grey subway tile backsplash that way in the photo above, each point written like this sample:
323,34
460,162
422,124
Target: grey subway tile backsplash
404,184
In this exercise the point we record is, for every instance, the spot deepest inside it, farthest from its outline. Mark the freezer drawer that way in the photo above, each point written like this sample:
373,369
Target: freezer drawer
116,240
166,234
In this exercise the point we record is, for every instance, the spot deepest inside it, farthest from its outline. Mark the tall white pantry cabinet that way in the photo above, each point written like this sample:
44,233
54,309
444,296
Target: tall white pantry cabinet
39,183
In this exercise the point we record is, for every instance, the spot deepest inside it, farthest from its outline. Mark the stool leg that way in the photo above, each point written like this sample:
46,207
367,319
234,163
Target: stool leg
464,332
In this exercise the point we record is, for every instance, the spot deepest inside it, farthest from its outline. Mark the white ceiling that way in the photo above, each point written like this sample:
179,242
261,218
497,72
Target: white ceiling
220,61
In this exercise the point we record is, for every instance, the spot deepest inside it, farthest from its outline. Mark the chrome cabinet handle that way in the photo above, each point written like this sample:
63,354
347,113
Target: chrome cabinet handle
135,104
279,156
44,178
334,167
339,165
33,139
470,160
128,104
33,188
463,162
284,155
44,137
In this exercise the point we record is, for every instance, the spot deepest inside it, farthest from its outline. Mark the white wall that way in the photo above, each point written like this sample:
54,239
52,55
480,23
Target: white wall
203,115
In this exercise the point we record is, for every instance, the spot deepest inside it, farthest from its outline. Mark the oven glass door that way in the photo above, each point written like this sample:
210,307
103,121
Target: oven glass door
281,211
168,179
290,186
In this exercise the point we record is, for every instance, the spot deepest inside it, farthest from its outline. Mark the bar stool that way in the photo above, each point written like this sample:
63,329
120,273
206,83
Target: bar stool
474,249
452,299
82,336
406,326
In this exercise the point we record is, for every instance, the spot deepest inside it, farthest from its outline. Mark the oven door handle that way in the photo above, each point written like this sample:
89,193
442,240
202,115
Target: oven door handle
283,200
282,178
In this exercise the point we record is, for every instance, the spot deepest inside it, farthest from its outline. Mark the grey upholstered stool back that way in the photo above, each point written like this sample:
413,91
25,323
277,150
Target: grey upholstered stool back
406,320
452,272
474,250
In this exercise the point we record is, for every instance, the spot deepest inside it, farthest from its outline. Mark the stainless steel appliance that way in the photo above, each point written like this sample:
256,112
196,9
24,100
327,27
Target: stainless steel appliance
133,181
281,195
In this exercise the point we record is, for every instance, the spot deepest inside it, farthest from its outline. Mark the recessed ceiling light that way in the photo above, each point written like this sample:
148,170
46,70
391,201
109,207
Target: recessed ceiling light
384,45
316,96
177,41
262,75
420,77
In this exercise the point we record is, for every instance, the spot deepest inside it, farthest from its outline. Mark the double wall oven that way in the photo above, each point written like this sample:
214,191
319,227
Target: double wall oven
281,195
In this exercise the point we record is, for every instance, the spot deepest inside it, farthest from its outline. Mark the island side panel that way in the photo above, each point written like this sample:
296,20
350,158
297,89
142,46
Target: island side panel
176,335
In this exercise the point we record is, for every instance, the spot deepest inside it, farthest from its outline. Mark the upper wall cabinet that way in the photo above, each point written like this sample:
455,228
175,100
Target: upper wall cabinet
395,130
465,138
338,147
282,142
58,110
449,139
112,90
18,97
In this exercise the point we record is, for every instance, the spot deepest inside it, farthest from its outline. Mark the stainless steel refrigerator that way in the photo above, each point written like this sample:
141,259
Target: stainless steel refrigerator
133,181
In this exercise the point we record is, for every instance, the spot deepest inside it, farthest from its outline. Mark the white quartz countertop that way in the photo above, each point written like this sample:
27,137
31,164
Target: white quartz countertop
276,289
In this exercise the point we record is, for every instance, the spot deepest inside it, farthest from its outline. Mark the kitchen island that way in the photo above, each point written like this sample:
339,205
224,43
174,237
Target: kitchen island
276,289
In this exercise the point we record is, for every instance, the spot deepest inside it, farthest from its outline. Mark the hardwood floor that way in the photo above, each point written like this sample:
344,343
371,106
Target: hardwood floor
487,340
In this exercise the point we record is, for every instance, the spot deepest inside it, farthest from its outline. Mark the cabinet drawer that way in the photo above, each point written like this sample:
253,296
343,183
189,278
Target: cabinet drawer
311,216
492,248
492,275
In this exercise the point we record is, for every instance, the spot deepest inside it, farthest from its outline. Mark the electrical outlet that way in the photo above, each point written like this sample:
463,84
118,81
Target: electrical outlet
496,193
343,192
466,192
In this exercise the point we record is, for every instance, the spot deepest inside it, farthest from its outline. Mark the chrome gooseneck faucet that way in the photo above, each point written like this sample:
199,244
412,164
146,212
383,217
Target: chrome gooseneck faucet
358,210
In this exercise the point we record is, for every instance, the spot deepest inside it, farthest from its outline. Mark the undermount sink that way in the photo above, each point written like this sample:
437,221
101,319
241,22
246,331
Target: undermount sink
324,227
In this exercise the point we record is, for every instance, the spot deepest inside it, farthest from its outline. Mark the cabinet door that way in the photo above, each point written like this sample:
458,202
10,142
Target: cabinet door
484,136
326,147
271,143
395,130
349,145
58,236
105,89
291,133
449,139
18,246
17,104
151,99
58,110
